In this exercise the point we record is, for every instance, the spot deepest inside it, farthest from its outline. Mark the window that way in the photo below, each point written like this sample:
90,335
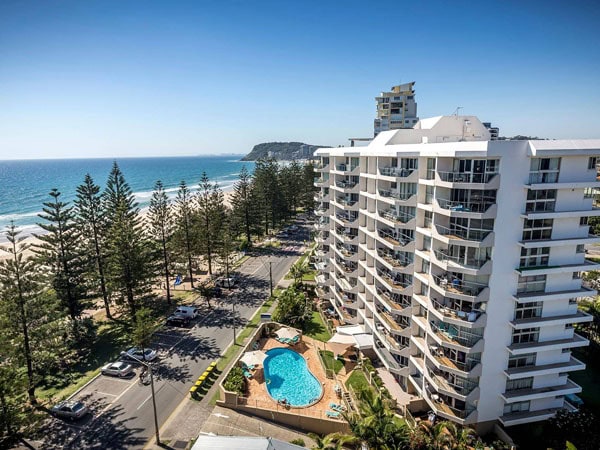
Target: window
528,310
430,169
428,195
540,200
427,219
533,283
544,170
580,248
592,163
522,383
409,163
525,335
583,221
522,360
536,229
577,275
516,407
535,257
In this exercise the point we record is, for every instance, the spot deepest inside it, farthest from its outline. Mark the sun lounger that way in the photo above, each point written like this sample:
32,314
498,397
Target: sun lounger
248,374
332,414
337,408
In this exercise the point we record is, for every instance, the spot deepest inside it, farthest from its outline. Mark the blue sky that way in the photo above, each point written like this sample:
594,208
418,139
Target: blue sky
144,78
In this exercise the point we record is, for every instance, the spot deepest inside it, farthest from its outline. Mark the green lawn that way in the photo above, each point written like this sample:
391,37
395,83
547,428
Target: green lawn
330,362
358,381
316,329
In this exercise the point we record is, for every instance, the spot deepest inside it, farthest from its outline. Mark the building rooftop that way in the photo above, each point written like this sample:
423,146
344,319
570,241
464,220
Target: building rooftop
245,442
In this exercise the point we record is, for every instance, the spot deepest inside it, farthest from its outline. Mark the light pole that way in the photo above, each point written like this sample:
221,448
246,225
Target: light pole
149,367
233,315
271,277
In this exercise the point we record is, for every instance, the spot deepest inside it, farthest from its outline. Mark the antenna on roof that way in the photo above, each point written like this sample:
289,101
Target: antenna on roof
456,111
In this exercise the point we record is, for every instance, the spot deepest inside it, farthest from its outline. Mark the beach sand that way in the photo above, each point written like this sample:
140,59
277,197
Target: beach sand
32,240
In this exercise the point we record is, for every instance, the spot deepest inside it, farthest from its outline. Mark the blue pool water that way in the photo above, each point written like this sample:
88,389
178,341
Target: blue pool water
288,378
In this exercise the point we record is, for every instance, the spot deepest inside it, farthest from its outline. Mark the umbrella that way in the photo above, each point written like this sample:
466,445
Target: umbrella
287,333
254,358
339,343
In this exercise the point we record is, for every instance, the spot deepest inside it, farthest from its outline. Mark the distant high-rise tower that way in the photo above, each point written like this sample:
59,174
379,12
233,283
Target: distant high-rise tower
494,131
396,109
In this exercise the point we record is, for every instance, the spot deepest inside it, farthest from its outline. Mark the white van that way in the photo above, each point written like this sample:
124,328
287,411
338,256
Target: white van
186,311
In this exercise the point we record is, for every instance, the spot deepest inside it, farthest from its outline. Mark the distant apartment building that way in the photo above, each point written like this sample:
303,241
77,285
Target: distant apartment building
463,258
494,131
396,109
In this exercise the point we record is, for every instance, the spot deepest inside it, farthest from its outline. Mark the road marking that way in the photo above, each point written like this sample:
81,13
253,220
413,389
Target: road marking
107,407
126,381
105,393
149,397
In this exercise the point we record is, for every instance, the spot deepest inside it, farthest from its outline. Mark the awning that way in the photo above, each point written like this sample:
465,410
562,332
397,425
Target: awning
351,329
363,341
340,343
255,358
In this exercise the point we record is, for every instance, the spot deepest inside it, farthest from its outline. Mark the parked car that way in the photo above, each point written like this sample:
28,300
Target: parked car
70,410
177,320
225,282
146,354
187,311
117,369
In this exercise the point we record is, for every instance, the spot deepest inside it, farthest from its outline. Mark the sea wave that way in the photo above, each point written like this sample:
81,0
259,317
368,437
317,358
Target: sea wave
17,216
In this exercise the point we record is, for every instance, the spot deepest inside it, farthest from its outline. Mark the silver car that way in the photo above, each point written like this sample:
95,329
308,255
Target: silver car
70,410
117,369
138,354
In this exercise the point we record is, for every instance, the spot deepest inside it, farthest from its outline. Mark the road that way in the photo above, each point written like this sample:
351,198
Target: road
122,415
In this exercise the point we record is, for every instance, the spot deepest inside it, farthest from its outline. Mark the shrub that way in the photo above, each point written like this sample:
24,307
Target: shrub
235,381
299,442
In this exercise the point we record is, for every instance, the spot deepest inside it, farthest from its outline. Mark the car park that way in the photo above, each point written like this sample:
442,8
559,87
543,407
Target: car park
69,410
187,311
117,369
146,354
177,320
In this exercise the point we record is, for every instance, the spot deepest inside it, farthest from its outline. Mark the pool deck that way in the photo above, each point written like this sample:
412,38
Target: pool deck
258,396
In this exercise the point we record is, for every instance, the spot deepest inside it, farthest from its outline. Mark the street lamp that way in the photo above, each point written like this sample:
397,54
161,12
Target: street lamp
149,367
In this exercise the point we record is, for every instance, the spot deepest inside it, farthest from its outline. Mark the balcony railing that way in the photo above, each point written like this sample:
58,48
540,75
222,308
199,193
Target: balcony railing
346,201
346,235
464,366
543,177
397,281
456,285
458,335
466,177
345,167
456,384
467,206
464,260
395,260
346,184
390,320
347,251
395,172
394,216
395,300
465,313
396,239
396,195
346,217
462,233
348,267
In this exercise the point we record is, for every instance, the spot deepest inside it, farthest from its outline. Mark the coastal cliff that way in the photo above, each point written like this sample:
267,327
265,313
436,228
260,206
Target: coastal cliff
283,151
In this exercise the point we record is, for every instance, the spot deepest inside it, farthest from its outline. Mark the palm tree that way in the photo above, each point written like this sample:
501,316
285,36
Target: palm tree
297,271
332,441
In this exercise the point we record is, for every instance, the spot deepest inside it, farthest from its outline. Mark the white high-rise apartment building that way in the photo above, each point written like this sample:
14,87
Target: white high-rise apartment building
463,258
396,109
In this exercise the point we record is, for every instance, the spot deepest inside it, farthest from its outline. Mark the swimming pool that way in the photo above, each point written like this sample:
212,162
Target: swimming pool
287,377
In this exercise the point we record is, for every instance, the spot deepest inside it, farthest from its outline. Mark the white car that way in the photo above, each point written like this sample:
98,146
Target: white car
70,410
146,354
117,369
186,311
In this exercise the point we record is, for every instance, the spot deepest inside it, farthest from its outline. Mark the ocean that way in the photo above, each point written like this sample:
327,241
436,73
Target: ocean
25,184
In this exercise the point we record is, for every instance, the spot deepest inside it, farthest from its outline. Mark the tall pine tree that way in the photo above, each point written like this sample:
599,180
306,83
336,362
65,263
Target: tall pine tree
60,250
91,221
129,267
185,238
242,218
161,230
211,212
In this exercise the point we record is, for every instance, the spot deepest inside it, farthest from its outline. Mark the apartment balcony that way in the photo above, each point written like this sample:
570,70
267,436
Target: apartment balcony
463,263
345,236
347,203
346,168
564,319
321,239
346,218
441,408
347,266
388,359
572,365
539,296
465,209
322,211
398,281
344,315
459,388
395,217
321,197
456,335
392,300
558,242
347,253
393,260
585,266
393,196
321,182
522,417
319,226
323,293
453,287
320,167
458,236
457,179
395,239
465,316
396,172
346,186
522,395
345,284
554,344
388,319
